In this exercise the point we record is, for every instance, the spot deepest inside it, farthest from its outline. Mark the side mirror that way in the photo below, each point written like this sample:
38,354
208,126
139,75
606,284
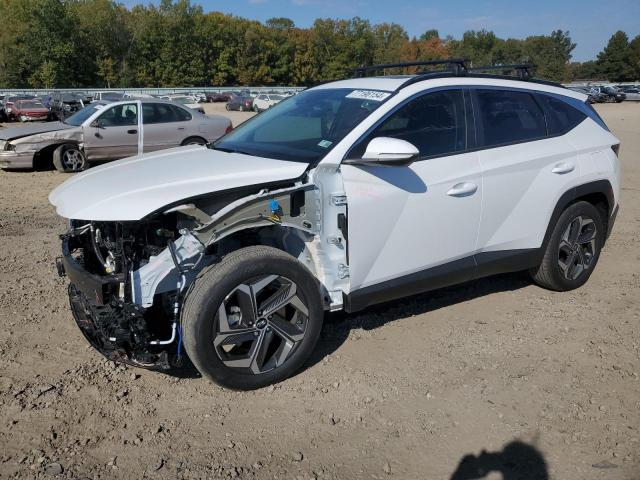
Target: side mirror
99,123
387,151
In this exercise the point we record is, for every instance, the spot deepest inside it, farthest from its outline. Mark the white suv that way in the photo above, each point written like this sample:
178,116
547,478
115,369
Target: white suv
348,194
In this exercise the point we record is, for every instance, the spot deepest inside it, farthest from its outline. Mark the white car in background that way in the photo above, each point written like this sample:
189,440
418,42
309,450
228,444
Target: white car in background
265,101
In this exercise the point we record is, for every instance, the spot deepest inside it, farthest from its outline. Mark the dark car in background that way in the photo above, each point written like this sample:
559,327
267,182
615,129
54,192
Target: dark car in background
241,103
65,104
218,96
610,93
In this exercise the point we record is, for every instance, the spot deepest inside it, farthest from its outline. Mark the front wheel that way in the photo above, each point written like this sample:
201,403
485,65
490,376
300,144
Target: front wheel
69,158
253,319
573,249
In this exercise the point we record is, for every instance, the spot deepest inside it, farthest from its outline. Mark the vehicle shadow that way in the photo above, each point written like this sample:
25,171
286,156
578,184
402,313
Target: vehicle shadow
337,326
516,461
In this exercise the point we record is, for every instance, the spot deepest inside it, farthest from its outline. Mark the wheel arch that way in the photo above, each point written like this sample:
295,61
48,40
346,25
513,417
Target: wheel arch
43,158
296,242
599,193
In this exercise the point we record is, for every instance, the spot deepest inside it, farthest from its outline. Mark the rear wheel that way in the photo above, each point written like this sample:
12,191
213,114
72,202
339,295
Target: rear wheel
253,319
573,249
69,158
194,141
227,107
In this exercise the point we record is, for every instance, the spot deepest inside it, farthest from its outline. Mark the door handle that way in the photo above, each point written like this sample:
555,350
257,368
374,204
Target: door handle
563,167
132,132
180,128
462,189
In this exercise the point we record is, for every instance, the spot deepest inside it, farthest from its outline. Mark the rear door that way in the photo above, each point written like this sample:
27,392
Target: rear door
526,163
165,126
114,134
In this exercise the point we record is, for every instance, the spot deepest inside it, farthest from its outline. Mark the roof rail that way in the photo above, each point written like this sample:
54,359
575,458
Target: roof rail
523,71
455,65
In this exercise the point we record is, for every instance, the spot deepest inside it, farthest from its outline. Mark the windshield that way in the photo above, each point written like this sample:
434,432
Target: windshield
80,116
31,105
303,128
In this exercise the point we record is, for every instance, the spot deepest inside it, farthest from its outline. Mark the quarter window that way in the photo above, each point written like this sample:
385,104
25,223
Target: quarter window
508,117
434,123
561,117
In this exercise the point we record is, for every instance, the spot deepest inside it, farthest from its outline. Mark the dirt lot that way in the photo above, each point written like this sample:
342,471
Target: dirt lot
547,383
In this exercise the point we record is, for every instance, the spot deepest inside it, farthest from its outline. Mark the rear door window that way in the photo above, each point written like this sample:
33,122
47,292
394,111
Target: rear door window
506,117
561,117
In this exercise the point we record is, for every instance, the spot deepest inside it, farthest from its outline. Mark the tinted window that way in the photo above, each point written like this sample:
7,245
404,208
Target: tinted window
508,117
163,113
120,115
180,114
561,117
433,123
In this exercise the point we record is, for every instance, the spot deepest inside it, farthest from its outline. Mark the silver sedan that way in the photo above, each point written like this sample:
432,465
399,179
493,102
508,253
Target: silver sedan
108,131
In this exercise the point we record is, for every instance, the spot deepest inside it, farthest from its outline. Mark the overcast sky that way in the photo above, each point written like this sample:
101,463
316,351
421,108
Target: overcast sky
590,22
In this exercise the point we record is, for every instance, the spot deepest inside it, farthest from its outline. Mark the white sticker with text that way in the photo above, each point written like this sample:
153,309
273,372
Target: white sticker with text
374,95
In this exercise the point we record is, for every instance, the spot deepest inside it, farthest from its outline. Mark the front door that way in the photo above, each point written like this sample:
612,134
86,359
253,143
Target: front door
114,134
415,227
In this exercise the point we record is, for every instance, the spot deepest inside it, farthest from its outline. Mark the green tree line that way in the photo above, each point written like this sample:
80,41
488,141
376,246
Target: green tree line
101,43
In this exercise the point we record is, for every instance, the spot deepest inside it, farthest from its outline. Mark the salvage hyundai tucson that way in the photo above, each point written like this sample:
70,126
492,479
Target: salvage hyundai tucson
349,194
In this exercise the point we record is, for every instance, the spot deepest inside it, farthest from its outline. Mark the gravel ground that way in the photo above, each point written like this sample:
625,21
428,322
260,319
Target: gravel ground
546,383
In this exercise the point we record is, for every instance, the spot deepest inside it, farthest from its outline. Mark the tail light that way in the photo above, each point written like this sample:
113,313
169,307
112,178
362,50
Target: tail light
615,148
229,128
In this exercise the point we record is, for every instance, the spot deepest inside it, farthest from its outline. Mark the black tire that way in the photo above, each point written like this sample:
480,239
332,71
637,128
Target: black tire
215,285
227,107
256,109
561,250
194,141
62,162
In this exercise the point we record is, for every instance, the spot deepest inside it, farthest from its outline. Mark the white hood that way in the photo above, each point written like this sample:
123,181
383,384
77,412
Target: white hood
132,188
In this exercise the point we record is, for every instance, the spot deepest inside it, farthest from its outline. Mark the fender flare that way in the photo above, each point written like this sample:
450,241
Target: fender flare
598,186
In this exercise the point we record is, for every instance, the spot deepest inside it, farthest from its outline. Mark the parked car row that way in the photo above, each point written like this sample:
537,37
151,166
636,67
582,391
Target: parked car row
604,93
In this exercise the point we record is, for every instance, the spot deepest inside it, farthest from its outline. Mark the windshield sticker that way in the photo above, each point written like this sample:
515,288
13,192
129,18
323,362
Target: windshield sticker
324,143
374,95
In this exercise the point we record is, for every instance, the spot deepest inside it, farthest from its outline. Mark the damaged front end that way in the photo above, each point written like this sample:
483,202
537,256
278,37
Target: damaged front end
128,279
111,267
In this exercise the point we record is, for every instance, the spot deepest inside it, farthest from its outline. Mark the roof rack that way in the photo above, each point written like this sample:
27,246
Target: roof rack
523,71
456,66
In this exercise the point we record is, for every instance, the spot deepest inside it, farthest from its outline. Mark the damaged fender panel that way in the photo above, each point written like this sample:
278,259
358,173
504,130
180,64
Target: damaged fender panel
290,207
294,207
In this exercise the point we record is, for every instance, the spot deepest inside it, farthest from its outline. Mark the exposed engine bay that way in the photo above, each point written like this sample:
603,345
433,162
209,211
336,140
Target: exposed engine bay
128,279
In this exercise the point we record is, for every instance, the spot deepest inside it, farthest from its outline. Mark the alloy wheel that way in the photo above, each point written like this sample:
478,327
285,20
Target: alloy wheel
577,247
73,159
259,324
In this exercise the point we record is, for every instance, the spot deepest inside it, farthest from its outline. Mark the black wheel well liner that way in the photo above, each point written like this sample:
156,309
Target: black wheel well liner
191,137
43,158
599,193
